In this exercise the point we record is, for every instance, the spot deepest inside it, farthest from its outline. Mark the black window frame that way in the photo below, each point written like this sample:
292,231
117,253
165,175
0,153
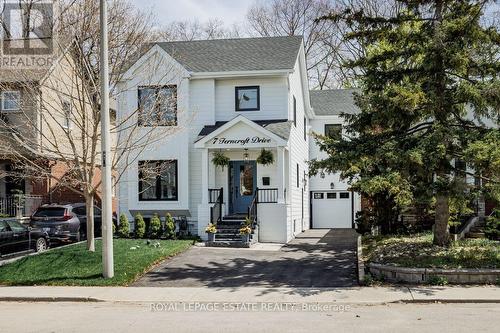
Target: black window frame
318,195
305,128
344,195
158,181
298,185
326,131
294,111
159,123
236,104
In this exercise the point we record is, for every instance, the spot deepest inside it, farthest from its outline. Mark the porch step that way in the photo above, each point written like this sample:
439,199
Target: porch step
228,243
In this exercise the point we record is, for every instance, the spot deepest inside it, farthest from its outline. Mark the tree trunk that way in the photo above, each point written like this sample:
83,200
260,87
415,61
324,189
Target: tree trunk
442,215
89,203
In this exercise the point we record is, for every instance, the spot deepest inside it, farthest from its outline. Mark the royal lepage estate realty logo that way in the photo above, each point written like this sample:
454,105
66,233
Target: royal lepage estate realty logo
27,34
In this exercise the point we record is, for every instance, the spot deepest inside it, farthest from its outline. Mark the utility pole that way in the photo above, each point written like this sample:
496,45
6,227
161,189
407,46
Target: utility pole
107,223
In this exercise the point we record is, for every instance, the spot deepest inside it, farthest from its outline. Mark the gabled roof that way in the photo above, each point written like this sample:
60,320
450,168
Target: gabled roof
280,127
239,54
333,102
209,132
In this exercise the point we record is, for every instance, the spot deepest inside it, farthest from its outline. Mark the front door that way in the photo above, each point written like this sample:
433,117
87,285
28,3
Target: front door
242,182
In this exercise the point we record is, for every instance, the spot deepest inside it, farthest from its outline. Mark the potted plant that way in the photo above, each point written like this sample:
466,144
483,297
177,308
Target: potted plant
219,159
266,157
211,230
245,232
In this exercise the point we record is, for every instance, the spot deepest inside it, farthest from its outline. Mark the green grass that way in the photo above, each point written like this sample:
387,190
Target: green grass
418,251
75,266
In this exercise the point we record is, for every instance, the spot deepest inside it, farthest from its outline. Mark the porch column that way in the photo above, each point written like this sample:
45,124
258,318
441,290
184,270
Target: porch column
204,176
280,174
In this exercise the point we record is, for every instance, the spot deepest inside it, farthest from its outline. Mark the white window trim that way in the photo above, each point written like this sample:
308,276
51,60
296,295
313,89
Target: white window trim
18,93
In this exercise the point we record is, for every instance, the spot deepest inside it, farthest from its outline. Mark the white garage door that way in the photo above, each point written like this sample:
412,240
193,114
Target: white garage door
332,209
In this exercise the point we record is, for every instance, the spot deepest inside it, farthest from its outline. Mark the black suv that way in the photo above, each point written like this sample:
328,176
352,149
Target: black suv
16,237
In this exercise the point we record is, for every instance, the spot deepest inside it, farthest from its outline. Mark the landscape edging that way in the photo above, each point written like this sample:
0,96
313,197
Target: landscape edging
393,273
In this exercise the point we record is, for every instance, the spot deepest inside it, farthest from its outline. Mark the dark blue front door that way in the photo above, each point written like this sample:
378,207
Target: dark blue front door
242,181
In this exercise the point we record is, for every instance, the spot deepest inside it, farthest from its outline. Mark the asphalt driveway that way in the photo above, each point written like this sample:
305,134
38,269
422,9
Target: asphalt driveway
315,258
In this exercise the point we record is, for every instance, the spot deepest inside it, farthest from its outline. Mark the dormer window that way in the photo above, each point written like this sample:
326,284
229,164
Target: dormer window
247,98
11,100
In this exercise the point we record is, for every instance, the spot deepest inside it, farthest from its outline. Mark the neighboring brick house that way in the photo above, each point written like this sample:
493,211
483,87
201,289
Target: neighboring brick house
37,111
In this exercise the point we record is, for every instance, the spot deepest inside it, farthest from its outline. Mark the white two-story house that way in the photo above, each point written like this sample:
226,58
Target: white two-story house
198,101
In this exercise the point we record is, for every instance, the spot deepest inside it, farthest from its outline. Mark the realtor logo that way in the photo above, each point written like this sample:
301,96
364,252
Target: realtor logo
27,33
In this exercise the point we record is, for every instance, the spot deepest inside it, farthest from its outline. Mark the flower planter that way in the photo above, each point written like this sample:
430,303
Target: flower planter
211,237
245,238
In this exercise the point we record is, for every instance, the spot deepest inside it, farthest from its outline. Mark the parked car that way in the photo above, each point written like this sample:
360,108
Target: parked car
16,237
66,223
58,221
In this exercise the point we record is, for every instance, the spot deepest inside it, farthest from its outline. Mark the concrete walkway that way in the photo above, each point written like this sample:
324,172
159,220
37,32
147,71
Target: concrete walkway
353,295
314,259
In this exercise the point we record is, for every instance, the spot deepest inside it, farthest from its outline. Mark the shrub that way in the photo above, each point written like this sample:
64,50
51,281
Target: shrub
140,226
169,227
437,280
155,227
492,228
123,227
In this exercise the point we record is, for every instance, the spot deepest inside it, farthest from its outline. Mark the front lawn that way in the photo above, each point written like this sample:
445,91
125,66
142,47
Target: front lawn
74,266
418,251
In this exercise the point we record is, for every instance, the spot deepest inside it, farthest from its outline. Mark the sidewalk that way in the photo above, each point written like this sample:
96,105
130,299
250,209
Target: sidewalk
354,295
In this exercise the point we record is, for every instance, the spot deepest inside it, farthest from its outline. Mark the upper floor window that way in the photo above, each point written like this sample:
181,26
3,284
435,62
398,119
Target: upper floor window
158,180
294,111
305,129
247,98
11,100
157,105
67,112
333,131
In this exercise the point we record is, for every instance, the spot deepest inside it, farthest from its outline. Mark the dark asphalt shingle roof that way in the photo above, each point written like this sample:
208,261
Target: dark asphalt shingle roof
280,127
239,54
333,102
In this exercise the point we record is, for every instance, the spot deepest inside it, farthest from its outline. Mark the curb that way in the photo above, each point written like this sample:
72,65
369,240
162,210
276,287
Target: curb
51,299
450,301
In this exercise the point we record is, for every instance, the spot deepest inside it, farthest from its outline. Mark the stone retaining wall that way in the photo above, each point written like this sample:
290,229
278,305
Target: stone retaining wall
422,275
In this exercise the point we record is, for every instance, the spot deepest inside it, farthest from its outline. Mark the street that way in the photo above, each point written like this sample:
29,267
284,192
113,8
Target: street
135,317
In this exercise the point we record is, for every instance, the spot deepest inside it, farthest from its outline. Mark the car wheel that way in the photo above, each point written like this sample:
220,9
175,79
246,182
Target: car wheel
41,244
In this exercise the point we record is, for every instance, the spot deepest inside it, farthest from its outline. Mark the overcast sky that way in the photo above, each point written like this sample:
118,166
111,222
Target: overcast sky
230,11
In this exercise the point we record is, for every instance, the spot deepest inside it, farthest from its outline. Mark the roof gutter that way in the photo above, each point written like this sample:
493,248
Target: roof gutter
232,74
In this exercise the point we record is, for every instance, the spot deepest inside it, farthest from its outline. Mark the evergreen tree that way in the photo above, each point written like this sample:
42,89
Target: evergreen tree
123,227
429,95
140,226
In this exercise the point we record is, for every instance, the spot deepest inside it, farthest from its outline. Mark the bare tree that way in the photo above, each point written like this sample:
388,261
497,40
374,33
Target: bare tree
325,46
194,30
57,119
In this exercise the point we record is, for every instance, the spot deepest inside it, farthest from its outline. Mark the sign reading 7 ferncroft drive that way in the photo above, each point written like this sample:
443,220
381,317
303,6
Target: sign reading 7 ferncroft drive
240,141
27,34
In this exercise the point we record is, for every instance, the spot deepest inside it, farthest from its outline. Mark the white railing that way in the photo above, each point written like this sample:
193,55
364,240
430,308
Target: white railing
20,204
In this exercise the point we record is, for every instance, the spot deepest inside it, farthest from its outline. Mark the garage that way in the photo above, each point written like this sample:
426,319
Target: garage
332,209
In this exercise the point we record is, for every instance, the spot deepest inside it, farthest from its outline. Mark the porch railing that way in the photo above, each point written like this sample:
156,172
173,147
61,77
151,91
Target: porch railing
267,195
252,210
216,210
25,205
213,194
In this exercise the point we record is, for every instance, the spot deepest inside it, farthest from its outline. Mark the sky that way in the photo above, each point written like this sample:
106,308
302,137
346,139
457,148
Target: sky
166,11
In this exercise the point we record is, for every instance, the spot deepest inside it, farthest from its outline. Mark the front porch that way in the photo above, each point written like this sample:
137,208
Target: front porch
241,191
245,192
